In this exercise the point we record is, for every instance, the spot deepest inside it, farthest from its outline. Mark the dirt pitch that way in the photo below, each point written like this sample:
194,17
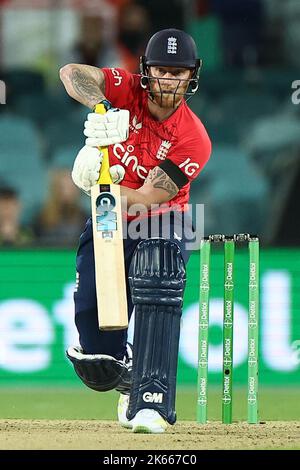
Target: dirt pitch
108,435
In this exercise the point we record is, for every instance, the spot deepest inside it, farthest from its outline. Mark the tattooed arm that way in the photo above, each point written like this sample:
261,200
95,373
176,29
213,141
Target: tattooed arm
84,83
157,189
160,185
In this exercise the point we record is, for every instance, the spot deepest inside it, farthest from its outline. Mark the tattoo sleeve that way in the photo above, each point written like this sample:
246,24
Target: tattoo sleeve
86,88
160,180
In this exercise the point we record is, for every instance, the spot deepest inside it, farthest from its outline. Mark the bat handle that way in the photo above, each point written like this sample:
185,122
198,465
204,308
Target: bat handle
104,177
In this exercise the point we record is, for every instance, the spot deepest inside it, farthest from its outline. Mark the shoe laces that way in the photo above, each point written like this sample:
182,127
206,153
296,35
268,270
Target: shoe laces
149,413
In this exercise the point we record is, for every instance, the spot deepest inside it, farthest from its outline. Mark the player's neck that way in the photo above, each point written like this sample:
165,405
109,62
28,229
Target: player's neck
158,113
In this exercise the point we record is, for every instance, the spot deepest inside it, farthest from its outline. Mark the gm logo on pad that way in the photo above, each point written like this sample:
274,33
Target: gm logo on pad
149,397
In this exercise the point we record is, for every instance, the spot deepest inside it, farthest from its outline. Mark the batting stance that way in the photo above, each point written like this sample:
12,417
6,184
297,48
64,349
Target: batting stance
157,147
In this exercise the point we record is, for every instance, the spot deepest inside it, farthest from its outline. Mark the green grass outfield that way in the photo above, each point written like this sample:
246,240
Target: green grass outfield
82,403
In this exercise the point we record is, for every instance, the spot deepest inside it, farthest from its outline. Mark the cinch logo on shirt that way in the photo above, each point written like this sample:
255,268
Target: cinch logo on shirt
125,155
172,45
117,76
163,150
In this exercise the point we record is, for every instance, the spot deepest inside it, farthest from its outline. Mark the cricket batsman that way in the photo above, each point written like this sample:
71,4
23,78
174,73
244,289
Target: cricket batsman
157,147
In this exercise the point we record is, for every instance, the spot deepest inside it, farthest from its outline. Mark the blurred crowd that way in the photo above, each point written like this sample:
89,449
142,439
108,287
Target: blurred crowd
250,60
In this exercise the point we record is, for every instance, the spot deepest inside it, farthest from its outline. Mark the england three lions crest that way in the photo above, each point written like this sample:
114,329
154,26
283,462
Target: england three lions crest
163,150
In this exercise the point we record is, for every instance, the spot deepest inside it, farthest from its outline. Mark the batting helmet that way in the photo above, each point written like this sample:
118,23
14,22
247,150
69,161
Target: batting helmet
171,48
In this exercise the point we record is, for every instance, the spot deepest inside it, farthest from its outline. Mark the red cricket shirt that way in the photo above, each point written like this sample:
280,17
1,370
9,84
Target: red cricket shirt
181,138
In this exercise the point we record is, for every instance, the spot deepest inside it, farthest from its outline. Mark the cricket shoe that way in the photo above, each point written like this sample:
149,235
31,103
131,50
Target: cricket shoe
148,421
122,410
145,421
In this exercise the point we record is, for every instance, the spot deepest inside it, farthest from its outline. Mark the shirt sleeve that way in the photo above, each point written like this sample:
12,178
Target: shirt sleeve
119,87
189,157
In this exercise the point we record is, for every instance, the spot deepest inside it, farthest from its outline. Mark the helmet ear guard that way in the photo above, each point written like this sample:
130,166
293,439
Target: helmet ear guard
143,64
194,82
144,72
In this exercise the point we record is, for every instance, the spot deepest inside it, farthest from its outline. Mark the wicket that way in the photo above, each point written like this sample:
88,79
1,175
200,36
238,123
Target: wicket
228,321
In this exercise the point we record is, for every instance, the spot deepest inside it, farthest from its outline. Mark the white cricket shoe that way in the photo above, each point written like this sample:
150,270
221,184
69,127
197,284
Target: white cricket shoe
122,409
145,421
148,421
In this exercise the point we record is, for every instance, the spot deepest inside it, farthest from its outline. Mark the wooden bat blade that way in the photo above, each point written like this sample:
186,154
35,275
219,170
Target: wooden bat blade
109,257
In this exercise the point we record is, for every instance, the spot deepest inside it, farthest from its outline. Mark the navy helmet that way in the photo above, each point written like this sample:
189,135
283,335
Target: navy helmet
171,48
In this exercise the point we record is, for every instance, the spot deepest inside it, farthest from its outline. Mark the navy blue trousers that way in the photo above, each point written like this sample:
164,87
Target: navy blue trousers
113,343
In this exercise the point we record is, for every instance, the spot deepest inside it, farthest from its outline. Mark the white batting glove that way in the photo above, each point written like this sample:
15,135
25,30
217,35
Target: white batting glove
106,129
87,166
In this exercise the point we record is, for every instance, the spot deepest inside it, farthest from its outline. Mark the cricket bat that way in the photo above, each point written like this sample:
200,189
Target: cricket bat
108,248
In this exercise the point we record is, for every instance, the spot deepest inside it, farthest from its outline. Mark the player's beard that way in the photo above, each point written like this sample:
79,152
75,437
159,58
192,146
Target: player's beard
166,98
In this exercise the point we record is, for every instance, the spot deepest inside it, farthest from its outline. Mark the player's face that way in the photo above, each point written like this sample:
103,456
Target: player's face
168,85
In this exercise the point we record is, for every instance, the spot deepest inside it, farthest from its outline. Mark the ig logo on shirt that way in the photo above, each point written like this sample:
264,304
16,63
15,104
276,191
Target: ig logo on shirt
189,168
